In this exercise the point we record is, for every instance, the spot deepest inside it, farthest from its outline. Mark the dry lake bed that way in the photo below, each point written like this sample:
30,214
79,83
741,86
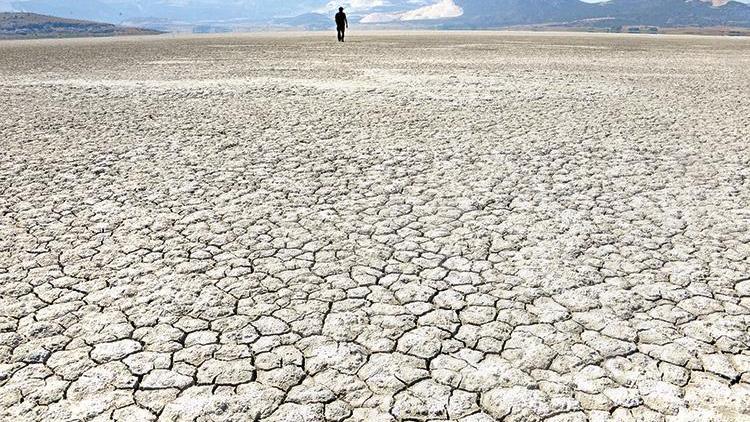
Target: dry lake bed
408,226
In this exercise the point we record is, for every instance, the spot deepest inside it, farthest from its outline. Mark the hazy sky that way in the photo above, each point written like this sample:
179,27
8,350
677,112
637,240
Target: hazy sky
196,10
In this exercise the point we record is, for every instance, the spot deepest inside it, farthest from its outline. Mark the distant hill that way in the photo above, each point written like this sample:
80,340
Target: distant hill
32,25
185,11
675,13
486,14
500,13
613,13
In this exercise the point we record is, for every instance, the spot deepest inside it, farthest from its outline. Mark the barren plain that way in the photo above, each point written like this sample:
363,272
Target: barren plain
407,226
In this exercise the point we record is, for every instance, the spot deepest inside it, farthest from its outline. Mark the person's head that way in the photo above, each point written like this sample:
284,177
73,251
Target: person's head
341,9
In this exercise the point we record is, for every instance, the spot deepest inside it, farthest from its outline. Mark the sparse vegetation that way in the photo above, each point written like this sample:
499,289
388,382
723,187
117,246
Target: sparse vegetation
32,25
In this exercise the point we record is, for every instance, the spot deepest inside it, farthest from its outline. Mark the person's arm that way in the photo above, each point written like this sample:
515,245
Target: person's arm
346,21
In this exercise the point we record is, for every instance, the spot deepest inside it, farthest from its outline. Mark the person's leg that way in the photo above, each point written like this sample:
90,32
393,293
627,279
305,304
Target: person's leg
343,34
338,34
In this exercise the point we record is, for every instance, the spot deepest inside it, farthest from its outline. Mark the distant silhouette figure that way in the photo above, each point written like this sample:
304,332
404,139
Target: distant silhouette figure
341,24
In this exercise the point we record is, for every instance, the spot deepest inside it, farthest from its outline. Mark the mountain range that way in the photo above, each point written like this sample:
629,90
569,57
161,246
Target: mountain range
449,14
613,13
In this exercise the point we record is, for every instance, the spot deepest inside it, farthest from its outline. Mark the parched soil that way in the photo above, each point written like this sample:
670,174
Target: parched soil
408,226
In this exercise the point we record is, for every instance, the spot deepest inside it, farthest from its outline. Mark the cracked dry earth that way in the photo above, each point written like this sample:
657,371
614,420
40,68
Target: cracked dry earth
475,227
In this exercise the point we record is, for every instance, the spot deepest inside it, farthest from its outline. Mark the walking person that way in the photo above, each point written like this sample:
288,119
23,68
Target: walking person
341,24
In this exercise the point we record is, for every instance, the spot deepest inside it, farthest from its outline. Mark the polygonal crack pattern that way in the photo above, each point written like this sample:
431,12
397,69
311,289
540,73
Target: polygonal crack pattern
470,227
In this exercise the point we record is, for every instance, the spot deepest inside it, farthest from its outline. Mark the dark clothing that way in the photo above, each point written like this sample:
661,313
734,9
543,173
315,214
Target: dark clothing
341,25
341,20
